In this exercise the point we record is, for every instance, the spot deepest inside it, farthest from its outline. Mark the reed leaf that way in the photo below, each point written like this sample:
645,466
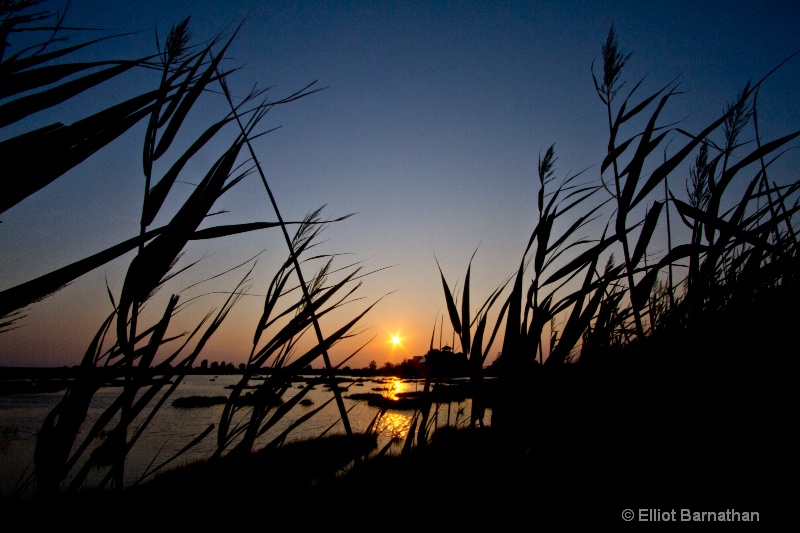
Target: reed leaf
152,263
452,311
581,261
279,377
623,117
280,374
60,427
94,459
32,79
465,313
579,319
144,375
545,226
280,439
651,219
188,101
781,203
148,473
25,106
569,232
754,156
640,292
614,154
483,314
158,193
301,320
68,145
175,48
409,442
576,325
32,291
669,166
632,172
311,355
476,353
726,226
285,408
274,292
186,71
512,339
216,232
18,63
303,239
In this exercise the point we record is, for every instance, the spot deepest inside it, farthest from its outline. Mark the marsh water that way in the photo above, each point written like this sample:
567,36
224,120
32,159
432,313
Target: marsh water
21,417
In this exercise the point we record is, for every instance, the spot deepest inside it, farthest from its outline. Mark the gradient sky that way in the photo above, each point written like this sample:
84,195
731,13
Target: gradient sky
430,128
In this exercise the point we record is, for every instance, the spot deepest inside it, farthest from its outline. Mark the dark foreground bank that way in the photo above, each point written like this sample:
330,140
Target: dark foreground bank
700,422
595,442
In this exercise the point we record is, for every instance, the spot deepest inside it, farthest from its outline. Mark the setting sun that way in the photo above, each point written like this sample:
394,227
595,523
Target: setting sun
395,340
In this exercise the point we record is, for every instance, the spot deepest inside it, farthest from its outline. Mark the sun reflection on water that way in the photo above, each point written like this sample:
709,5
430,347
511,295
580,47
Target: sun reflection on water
394,425
394,386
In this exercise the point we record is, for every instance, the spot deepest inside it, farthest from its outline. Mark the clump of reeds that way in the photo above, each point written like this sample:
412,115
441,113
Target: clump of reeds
40,77
578,313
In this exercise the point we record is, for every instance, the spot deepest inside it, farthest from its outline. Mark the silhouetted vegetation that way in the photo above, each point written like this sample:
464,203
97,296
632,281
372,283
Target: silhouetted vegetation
37,76
668,368
740,261
621,360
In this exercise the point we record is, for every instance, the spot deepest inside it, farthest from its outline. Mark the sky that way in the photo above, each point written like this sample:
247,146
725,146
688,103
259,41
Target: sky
429,127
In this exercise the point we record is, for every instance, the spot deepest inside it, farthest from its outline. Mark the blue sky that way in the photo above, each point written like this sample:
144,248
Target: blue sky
432,121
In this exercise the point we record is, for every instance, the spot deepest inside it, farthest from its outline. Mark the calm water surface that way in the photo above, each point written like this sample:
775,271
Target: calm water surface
21,416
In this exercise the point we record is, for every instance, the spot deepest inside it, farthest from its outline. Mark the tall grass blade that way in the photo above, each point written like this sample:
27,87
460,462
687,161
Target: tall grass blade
158,193
188,100
18,63
25,106
68,145
452,311
647,232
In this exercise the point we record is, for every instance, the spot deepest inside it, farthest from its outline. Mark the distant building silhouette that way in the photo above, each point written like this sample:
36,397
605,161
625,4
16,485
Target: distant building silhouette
442,363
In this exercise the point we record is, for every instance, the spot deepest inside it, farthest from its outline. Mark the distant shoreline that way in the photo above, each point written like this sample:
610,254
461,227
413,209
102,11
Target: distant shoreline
33,380
14,372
